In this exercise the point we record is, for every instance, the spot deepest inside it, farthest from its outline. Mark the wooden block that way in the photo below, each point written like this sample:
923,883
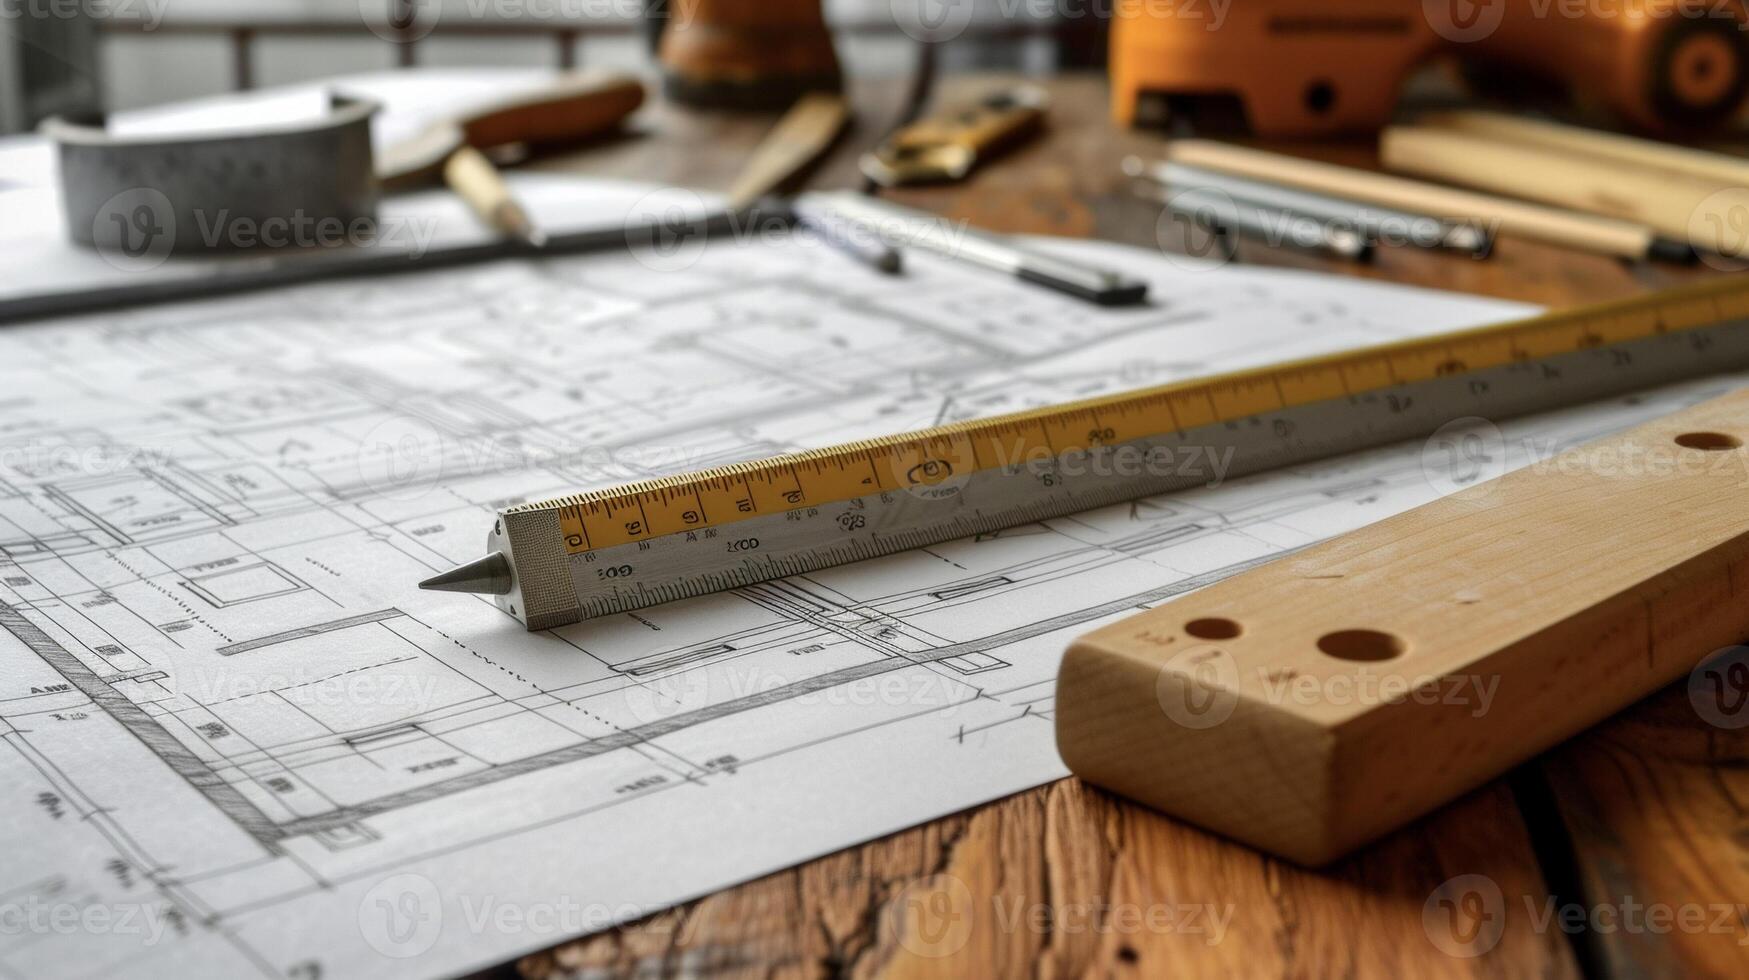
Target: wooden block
1314,703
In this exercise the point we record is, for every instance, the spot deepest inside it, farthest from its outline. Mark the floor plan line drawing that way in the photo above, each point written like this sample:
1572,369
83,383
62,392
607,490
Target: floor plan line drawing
225,706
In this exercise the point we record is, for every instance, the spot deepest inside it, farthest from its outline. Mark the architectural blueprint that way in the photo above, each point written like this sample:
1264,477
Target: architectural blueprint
236,741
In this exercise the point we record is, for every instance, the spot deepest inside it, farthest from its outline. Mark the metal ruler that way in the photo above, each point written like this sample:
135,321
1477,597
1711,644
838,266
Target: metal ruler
619,549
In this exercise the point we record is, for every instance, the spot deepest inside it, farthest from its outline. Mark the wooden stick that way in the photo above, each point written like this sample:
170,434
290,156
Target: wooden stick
476,181
1681,207
1312,704
799,138
1721,168
1571,229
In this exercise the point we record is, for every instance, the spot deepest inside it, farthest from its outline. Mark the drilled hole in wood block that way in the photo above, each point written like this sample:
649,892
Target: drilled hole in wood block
1710,441
1213,628
1361,645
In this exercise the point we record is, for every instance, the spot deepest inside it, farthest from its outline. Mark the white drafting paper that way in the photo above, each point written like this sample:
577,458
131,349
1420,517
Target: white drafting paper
236,741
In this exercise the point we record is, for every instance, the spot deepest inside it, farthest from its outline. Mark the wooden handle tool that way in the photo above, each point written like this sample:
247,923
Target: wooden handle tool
574,108
1722,168
801,137
946,147
1683,207
1315,703
1572,229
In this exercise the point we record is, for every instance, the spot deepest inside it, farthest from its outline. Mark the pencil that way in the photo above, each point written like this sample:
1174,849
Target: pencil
1721,168
1681,207
1572,229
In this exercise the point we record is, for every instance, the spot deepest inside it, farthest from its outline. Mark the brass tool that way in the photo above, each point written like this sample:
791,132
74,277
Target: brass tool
948,146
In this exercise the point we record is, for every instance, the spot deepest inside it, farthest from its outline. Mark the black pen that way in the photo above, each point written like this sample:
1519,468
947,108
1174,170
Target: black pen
894,223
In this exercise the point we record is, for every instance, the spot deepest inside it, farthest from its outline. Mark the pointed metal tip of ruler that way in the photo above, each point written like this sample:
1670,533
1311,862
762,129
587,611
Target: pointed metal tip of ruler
482,576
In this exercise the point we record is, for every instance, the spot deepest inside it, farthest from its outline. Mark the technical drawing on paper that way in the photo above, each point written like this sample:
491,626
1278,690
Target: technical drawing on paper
237,741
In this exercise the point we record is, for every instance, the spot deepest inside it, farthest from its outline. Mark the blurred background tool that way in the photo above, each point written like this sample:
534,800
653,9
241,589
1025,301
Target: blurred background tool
1675,205
799,139
899,225
1211,209
946,146
571,110
1380,225
856,241
1573,229
150,194
1285,68
1649,154
745,54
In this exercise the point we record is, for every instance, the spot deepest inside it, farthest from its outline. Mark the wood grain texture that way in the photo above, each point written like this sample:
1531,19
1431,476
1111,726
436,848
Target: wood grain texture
1068,843
1065,881
1657,805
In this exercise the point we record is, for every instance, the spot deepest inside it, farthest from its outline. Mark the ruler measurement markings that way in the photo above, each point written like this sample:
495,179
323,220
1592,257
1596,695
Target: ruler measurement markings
1248,394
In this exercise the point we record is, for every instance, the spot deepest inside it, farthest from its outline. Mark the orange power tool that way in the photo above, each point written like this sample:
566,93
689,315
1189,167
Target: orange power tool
1292,68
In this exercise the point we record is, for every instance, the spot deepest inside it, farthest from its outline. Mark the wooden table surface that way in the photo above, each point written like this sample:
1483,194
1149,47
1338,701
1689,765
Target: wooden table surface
1623,853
